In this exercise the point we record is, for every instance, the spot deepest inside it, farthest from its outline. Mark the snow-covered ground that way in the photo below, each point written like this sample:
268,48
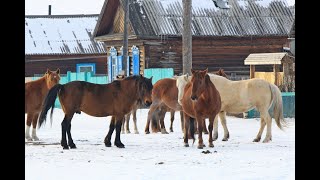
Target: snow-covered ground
159,156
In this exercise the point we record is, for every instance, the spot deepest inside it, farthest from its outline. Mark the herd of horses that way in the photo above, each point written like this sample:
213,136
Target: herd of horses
197,97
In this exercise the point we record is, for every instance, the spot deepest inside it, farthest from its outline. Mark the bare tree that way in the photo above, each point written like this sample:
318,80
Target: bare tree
186,38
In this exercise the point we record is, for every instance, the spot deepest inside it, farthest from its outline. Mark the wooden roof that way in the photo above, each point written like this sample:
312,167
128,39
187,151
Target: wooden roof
153,18
268,58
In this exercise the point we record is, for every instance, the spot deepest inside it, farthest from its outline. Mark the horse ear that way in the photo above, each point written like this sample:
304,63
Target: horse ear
205,71
193,71
48,71
186,77
58,71
151,78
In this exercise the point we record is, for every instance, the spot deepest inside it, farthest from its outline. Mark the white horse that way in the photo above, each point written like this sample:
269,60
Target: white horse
242,96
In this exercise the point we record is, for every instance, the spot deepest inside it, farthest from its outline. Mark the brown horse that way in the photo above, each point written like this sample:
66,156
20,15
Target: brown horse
157,123
99,100
35,92
200,100
165,94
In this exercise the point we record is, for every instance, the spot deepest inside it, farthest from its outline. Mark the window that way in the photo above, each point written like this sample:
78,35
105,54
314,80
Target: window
86,67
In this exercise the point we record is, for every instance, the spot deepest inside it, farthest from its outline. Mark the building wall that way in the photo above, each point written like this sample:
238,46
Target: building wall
34,66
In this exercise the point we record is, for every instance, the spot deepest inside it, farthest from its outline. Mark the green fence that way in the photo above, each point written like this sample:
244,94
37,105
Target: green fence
288,101
157,73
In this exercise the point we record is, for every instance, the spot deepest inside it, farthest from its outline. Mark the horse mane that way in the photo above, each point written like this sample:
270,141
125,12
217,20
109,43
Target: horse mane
137,78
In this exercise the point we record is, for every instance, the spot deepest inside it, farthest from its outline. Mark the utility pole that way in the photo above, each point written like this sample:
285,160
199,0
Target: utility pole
186,38
125,37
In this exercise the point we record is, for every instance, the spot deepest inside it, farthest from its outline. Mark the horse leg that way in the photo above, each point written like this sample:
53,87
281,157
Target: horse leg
205,130
262,125
196,131
65,129
200,129
107,139
70,140
153,107
134,117
34,127
163,127
215,128
117,140
122,127
127,119
223,121
182,121
267,118
171,119
29,121
186,129
210,127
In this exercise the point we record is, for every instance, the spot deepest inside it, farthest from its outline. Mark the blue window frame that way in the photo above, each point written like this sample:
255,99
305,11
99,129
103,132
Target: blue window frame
86,67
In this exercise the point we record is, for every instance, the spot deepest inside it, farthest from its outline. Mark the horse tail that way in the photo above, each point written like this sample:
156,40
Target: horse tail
49,103
278,108
191,126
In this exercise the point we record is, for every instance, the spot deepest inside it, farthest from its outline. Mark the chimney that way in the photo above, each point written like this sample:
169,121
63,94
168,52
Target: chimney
49,9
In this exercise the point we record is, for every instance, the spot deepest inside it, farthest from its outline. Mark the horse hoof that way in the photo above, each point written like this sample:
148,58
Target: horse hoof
256,140
266,140
186,145
29,139
35,138
225,139
171,130
136,132
108,144
73,146
65,147
206,132
200,147
128,132
119,145
211,145
147,132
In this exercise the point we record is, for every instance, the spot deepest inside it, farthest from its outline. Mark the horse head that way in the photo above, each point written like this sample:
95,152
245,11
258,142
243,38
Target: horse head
181,82
145,90
198,83
52,78
221,73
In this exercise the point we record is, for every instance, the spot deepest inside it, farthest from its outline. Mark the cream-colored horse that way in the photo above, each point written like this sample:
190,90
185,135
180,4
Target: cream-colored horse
242,96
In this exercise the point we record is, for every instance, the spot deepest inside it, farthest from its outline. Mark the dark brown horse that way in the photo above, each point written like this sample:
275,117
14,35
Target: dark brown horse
99,100
200,100
35,92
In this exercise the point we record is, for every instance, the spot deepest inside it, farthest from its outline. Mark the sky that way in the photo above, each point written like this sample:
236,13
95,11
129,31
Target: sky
40,7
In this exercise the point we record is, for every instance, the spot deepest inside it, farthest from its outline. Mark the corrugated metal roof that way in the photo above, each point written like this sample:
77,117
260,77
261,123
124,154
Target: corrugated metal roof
61,35
244,18
265,58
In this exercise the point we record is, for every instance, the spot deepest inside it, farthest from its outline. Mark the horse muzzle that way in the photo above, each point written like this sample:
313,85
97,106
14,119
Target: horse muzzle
148,103
194,98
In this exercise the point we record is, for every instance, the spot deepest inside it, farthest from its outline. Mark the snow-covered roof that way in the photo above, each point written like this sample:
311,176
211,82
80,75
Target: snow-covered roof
61,35
243,18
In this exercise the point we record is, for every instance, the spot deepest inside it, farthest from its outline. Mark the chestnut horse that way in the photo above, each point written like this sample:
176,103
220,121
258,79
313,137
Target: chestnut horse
35,92
99,100
200,100
165,93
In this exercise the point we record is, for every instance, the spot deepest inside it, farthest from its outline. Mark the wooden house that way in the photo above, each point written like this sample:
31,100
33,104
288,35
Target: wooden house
62,41
222,38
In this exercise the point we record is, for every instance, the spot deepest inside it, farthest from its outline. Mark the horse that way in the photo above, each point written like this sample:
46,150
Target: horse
242,96
157,115
98,100
35,92
165,93
200,100
158,119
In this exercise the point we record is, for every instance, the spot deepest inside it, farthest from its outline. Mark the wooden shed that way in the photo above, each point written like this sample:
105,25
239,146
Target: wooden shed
283,74
222,38
62,41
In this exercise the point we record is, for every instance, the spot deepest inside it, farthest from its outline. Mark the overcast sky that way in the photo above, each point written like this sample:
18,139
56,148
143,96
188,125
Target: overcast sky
40,7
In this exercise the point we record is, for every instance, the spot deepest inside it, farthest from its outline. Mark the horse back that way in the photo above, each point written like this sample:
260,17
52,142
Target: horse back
35,92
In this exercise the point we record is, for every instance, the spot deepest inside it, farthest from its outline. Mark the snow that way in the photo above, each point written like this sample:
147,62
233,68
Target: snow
238,158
